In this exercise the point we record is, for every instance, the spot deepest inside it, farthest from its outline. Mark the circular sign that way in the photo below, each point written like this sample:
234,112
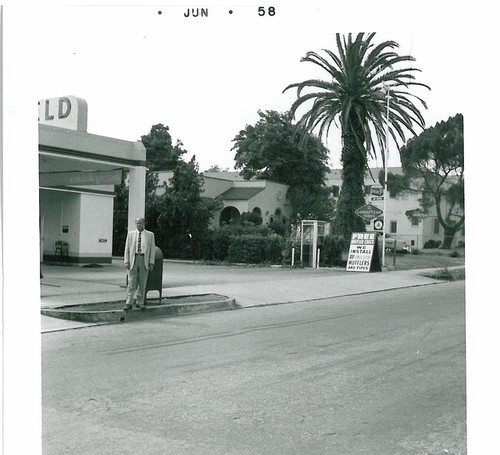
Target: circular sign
378,225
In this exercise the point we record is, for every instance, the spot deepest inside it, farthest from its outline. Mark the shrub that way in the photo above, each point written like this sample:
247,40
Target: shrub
247,249
274,249
250,218
220,241
415,251
447,274
432,244
443,274
288,246
454,254
278,227
202,246
256,249
247,229
331,251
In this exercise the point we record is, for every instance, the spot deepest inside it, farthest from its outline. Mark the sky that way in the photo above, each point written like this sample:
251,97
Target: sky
206,78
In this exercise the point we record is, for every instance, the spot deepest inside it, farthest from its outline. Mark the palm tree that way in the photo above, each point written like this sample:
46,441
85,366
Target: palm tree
354,98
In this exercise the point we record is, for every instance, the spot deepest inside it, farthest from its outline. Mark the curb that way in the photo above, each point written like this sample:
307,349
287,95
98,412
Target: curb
349,294
76,313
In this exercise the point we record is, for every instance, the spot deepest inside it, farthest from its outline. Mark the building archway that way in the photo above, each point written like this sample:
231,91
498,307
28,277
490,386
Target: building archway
229,214
258,212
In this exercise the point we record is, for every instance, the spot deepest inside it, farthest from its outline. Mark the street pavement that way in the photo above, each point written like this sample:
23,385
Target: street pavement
250,286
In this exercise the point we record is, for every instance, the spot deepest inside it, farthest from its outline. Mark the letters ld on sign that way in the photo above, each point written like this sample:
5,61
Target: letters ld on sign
67,112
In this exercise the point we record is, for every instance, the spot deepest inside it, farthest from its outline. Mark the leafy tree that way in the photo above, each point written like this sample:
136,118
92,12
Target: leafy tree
433,165
274,149
181,216
361,76
270,150
161,154
318,204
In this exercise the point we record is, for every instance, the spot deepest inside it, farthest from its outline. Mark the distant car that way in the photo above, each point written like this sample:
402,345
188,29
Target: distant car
401,245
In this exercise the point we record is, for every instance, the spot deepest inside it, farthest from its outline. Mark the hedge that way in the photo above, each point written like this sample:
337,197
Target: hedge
257,245
256,249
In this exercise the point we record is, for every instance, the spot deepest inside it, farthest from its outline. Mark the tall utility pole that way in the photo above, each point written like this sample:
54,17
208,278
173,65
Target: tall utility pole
386,159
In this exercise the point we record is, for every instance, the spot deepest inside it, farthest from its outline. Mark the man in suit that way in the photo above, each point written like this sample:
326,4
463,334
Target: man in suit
139,259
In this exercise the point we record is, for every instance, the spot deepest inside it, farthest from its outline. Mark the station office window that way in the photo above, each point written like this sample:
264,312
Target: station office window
394,227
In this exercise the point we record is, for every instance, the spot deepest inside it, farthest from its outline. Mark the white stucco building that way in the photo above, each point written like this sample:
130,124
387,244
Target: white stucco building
415,230
238,195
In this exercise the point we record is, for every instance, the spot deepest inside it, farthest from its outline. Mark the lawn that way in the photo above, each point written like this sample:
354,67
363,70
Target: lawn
425,259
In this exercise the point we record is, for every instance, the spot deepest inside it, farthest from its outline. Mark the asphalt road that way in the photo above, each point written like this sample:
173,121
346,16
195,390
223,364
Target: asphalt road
380,373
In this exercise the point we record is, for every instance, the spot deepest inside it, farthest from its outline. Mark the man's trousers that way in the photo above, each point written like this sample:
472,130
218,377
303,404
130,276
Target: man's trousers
137,279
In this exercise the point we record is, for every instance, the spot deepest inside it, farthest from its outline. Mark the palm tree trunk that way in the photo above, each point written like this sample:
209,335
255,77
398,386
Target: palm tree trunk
351,195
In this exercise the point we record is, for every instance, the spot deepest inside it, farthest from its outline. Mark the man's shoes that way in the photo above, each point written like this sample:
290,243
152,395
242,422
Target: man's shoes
141,307
127,308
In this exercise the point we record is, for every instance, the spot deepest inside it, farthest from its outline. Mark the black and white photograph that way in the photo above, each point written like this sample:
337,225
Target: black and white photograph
244,230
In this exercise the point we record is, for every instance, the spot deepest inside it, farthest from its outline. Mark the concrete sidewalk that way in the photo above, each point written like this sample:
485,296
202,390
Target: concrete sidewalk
249,286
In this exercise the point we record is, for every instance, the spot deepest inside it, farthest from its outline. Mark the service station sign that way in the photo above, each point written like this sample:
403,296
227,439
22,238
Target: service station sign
67,112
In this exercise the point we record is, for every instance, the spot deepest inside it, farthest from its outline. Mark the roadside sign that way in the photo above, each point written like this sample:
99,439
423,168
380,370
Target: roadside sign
363,253
378,225
368,212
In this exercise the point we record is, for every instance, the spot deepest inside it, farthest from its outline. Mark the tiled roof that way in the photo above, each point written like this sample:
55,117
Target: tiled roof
224,175
240,194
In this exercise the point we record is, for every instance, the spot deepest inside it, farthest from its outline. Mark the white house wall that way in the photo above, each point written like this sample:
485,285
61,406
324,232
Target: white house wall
414,235
96,244
271,198
396,213
84,221
430,223
268,201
